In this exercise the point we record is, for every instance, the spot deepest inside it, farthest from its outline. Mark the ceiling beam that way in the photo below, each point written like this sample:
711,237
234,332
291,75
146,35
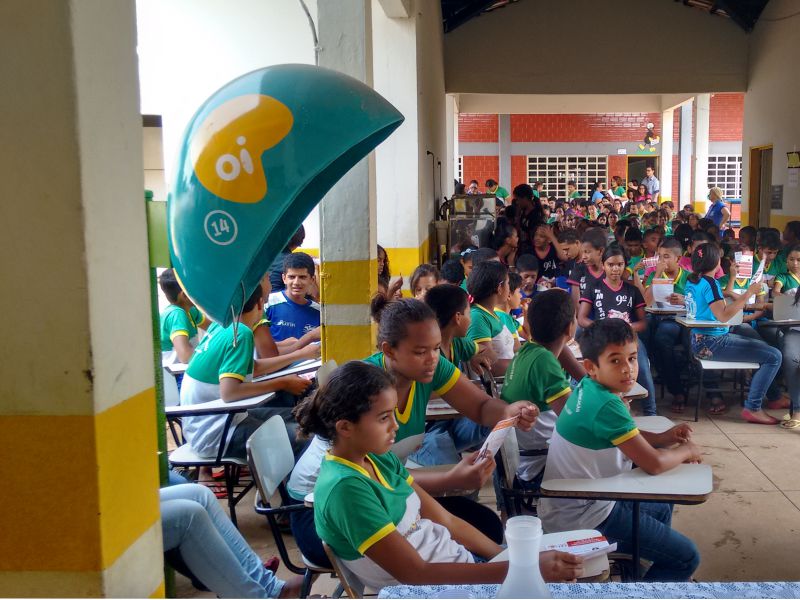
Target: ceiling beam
396,9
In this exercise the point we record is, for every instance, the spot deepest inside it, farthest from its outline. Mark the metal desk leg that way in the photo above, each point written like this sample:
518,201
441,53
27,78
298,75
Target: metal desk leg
636,561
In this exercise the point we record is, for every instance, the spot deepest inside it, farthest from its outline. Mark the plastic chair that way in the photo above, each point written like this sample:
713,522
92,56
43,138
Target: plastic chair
324,372
721,365
352,585
269,454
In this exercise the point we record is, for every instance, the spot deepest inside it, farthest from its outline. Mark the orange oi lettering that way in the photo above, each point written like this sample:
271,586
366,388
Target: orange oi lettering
226,149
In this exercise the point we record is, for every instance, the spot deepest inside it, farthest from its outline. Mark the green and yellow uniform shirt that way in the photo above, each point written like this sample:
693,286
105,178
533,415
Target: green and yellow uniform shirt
485,325
462,350
535,374
353,512
740,285
175,322
592,424
775,268
411,420
509,322
678,283
788,281
215,358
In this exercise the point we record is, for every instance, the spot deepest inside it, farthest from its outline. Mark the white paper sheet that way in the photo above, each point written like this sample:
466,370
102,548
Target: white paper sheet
496,438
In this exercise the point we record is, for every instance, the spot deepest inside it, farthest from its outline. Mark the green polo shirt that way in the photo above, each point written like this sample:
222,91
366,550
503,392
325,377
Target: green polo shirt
462,350
679,282
485,325
217,357
535,374
175,321
789,281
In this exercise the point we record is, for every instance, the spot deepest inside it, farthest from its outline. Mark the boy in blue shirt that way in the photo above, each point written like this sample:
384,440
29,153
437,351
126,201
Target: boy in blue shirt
290,312
595,437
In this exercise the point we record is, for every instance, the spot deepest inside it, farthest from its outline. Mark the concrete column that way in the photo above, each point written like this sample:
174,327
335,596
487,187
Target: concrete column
80,508
666,155
700,197
504,150
347,213
686,153
451,164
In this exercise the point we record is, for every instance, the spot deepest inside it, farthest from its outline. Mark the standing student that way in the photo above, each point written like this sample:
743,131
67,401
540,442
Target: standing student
664,332
179,322
505,241
488,285
569,251
546,252
536,375
718,343
290,312
373,514
595,437
614,298
590,269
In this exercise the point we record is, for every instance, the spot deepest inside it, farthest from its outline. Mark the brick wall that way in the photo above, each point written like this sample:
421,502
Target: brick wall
726,117
481,168
608,127
617,165
477,128
519,170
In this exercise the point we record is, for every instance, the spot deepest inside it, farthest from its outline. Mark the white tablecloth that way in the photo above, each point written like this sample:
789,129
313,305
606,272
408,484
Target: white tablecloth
779,589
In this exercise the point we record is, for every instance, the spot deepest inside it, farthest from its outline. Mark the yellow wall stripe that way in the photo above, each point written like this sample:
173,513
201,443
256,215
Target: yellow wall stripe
75,468
159,592
344,282
403,261
347,342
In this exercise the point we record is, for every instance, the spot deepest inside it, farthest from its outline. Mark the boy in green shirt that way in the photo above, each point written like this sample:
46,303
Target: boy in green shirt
596,437
536,375
179,322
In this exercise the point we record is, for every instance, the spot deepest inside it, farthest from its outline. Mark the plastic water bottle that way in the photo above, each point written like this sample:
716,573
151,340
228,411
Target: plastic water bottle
691,306
524,579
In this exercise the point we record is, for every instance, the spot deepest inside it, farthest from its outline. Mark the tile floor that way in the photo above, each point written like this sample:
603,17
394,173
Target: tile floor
748,530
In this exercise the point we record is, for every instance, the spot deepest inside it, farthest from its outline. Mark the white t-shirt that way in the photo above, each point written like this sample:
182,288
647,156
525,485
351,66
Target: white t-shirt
305,472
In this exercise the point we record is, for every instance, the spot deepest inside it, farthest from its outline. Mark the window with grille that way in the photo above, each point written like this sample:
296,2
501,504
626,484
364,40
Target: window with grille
553,172
725,172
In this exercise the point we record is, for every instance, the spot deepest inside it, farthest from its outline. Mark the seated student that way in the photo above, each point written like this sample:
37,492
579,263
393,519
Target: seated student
614,298
789,283
528,269
194,524
290,312
423,278
595,436
410,341
634,241
222,367
382,523
665,333
718,344
466,259
452,272
769,245
506,306
179,322
590,269
569,250
487,285
698,239
547,253
276,270
536,375
505,241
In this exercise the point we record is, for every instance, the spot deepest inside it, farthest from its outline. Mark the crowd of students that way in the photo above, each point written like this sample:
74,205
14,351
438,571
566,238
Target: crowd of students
551,273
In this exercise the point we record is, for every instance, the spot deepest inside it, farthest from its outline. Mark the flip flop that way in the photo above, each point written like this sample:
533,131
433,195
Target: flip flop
677,407
717,409
791,424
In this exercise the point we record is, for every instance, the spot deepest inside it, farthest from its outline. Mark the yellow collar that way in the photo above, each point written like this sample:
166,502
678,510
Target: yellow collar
360,470
404,416
487,311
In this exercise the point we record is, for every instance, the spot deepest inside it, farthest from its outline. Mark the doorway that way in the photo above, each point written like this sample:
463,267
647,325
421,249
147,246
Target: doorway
760,187
638,164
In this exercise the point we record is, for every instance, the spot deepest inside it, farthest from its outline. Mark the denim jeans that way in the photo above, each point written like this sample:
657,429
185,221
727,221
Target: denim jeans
445,440
748,331
645,379
674,556
217,554
791,366
737,348
665,335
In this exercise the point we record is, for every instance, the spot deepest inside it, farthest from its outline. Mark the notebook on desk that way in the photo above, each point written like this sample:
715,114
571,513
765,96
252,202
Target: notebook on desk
784,308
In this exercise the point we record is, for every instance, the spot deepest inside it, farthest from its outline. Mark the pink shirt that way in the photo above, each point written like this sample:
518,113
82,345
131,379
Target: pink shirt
686,263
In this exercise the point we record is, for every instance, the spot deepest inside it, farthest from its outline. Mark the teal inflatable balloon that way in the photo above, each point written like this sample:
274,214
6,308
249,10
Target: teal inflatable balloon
255,160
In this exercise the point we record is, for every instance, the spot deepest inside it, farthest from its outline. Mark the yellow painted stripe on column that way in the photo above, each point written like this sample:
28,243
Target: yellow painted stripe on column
159,592
403,261
348,342
745,218
309,251
82,491
345,282
779,221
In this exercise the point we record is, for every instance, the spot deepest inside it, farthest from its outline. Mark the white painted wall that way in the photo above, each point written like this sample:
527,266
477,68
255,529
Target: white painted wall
580,48
190,48
771,102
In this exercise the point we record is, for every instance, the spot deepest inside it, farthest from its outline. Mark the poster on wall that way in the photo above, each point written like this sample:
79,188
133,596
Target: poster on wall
777,197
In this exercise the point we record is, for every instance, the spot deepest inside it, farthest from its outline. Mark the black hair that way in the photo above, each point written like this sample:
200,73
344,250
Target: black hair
446,300
615,250
771,240
453,271
298,260
346,395
169,285
481,255
568,236
751,231
550,314
652,231
393,317
523,191
527,262
387,272
683,233
794,227
704,258
594,340
595,237
491,183
503,229
633,235
254,298
514,281
485,279
700,236
671,243
424,270
296,240
572,183
703,223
